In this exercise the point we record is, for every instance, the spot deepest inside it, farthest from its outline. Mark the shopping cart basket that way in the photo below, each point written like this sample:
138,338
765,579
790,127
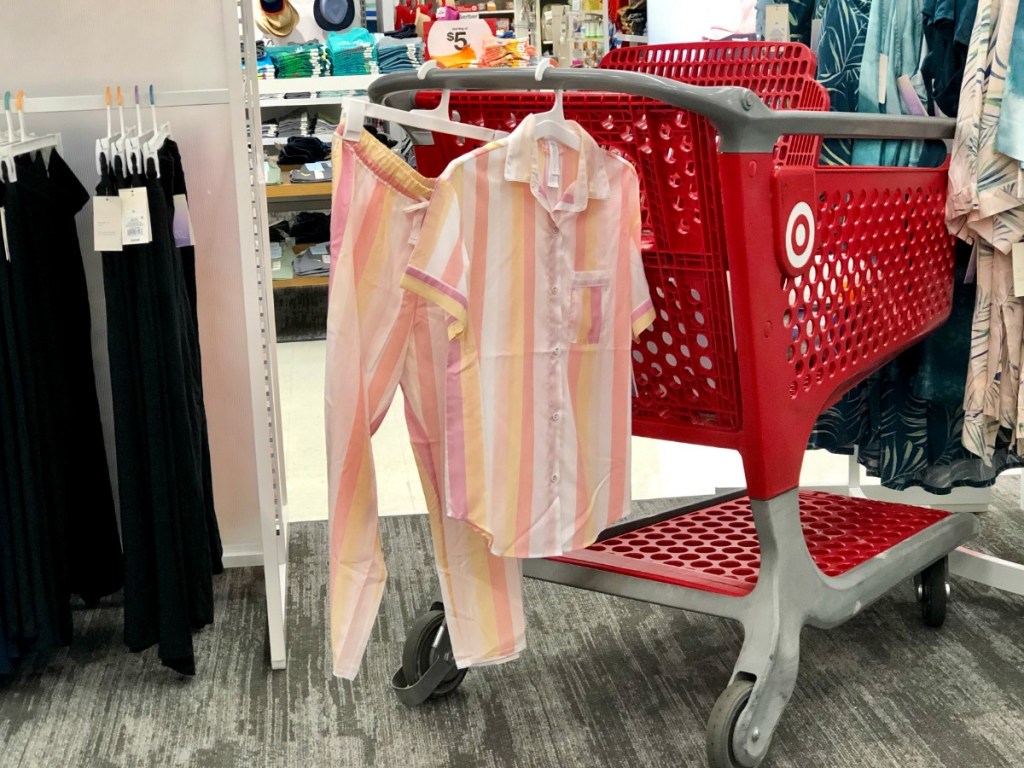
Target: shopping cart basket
778,285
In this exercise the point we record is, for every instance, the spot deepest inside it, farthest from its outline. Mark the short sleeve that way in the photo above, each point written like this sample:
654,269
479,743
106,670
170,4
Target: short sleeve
439,263
642,315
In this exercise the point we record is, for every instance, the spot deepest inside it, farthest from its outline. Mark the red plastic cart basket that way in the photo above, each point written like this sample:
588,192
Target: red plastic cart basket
778,285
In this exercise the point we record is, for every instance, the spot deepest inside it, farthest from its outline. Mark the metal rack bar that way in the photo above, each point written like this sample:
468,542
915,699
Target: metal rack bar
196,98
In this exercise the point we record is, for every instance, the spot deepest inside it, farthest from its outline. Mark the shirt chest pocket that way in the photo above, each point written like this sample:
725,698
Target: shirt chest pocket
590,307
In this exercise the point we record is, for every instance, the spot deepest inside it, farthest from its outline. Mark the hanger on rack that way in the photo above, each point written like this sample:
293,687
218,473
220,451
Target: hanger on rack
150,141
356,112
441,110
552,124
120,141
104,145
25,143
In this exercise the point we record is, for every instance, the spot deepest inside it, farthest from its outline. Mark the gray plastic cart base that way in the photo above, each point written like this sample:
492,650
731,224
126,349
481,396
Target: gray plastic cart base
791,592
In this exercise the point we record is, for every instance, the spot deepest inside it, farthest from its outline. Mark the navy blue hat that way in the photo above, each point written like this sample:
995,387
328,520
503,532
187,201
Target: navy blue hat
272,7
334,15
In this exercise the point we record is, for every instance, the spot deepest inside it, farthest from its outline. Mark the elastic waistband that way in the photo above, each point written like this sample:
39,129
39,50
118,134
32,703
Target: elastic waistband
387,166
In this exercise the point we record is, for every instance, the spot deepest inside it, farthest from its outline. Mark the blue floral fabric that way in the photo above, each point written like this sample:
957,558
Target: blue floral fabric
906,421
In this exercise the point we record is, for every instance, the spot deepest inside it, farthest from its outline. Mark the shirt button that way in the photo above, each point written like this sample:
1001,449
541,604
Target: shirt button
556,351
555,416
554,290
556,230
554,478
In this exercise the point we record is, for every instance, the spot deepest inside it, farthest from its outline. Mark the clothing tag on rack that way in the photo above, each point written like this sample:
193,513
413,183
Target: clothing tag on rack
883,77
182,225
776,23
554,165
1018,270
276,266
135,226
3,229
106,224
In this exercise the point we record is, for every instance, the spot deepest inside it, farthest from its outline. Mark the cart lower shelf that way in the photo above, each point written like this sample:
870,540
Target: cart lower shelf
715,549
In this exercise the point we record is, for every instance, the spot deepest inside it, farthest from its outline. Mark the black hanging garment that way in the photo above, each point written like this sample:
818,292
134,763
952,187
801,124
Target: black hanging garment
172,546
58,531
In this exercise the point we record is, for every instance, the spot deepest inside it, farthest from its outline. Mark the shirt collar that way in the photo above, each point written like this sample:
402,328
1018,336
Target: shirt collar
522,160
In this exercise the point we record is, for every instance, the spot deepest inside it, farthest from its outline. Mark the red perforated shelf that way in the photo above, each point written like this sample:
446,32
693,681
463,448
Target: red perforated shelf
716,549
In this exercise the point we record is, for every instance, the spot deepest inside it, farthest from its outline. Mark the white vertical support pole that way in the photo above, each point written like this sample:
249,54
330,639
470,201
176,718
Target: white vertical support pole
258,308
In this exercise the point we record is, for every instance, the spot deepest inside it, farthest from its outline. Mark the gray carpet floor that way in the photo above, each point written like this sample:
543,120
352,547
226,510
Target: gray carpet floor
605,682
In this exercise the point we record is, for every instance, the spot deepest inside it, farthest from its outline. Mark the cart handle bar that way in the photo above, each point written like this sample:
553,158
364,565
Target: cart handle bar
743,122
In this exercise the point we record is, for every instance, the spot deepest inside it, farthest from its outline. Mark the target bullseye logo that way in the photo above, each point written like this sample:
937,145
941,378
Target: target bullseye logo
800,235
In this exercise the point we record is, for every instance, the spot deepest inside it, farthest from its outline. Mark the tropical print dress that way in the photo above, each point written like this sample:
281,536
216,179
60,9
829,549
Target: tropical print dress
907,420
985,207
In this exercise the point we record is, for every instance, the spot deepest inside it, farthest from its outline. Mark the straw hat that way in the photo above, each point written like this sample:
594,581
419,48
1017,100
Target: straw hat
275,17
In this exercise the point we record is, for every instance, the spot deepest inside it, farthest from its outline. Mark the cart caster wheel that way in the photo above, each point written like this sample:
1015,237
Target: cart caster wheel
933,592
419,653
722,725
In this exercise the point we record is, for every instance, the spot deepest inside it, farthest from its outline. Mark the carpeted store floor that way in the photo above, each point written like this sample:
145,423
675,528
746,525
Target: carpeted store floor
606,682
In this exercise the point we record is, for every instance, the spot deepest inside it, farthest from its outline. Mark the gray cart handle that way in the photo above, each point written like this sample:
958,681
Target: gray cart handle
743,122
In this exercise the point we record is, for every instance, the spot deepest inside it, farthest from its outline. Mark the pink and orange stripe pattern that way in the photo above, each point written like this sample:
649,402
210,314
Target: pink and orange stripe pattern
380,337
532,250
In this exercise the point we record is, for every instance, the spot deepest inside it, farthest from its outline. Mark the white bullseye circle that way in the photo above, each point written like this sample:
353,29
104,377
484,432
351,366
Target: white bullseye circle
800,235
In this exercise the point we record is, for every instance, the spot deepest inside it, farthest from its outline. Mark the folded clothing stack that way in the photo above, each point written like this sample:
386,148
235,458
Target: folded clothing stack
311,172
265,68
507,53
313,261
305,60
399,55
270,129
352,53
310,227
325,127
295,123
303,149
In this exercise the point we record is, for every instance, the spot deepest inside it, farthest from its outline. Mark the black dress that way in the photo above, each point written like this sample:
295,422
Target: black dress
171,542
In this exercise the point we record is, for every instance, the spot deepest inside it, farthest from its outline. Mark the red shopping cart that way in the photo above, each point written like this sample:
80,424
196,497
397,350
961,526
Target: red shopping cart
778,285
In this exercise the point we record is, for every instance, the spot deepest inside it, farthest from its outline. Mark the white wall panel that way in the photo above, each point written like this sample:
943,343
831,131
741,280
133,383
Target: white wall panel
57,48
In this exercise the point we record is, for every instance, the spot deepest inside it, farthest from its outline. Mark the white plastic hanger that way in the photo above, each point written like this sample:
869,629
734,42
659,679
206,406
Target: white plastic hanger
552,124
26,143
104,147
441,110
119,142
151,141
356,112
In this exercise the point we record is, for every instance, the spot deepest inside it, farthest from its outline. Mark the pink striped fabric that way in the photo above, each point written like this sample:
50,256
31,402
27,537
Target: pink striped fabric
533,252
380,337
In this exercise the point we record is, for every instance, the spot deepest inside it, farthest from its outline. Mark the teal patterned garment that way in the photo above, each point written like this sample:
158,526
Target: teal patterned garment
892,48
906,420
844,25
1010,134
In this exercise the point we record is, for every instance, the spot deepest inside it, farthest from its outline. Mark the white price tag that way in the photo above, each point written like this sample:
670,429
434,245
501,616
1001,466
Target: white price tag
883,77
776,23
106,224
276,267
182,225
554,165
1018,270
3,230
135,226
